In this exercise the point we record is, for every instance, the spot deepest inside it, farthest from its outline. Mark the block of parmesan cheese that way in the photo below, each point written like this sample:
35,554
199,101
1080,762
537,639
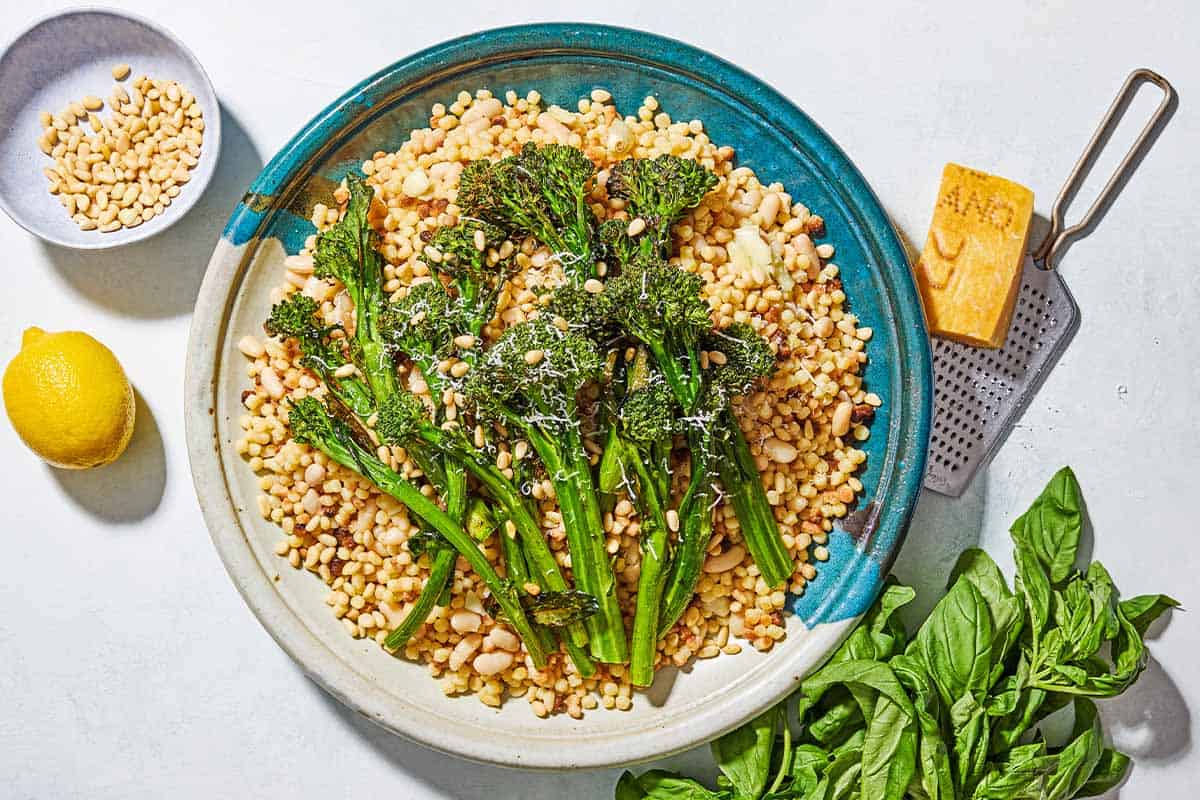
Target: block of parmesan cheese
970,269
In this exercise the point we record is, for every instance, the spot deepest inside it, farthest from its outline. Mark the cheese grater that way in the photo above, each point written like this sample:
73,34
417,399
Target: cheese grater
980,393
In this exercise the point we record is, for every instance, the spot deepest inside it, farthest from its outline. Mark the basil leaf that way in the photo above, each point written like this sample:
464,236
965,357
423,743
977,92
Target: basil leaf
628,788
1052,525
1033,584
935,774
836,721
956,642
1141,611
969,756
1076,675
1078,759
808,765
889,751
1022,775
1100,613
1129,656
744,754
868,675
880,634
1029,707
661,785
1110,770
886,630
842,775
978,567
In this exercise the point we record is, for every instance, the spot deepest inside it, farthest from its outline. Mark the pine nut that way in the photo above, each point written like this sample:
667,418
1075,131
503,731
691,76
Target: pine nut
140,141
497,661
840,422
725,561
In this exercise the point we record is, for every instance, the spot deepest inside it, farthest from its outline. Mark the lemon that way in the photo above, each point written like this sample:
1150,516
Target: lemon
68,399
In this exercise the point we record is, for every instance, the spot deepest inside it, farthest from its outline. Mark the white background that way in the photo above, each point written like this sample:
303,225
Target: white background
129,666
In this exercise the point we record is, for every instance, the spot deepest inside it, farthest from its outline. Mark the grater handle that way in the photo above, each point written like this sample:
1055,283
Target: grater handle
1048,252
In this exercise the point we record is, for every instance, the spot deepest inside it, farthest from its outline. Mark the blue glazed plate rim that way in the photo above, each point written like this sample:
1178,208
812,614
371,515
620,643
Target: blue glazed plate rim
854,587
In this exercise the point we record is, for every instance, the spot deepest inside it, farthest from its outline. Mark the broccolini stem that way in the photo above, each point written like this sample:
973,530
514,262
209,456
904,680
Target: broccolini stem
357,458
519,574
453,488
741,481
676,376
440,573
694,533
537,551
355,394
650,582
380,372
611,645
571,475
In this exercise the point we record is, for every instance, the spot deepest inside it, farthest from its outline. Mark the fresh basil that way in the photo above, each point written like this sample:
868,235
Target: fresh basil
1052,526
1110,770
956,642
953,711
1034,586
662,785
744,755
889,750
1141,611
1078,759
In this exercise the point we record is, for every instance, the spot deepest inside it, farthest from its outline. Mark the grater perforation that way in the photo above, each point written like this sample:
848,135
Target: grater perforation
978,393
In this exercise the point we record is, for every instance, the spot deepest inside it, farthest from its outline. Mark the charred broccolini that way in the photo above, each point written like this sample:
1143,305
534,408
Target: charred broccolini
639,334
529,380
542,192
314,424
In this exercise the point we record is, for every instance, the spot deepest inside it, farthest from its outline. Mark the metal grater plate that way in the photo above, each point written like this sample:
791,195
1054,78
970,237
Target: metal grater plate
979,394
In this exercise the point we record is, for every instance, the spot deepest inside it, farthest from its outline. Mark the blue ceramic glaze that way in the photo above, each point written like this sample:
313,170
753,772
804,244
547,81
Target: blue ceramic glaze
779,141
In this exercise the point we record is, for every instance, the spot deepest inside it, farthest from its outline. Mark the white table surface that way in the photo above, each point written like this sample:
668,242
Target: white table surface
129,666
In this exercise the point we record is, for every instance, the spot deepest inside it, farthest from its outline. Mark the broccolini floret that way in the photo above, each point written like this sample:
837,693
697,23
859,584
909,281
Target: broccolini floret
347,253
470,257
660,191
297,317
421,327
540,192
661,306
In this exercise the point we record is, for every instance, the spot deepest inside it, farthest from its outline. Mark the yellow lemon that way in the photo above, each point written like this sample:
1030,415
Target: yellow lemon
68,399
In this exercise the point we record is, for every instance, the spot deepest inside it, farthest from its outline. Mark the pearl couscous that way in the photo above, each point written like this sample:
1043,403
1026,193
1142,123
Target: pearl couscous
752,244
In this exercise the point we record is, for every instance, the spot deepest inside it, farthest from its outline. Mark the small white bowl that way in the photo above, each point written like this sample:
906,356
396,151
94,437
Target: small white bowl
59,60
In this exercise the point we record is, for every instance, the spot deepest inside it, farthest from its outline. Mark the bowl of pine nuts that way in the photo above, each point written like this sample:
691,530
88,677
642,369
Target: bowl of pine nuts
113,129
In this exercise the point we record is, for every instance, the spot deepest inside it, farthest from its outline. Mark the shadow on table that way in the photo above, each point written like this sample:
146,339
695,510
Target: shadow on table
160,277
129,489
942,527
1151,721
467,780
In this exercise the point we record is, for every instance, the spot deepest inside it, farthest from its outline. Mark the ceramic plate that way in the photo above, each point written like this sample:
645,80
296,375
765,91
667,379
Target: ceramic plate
564,62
